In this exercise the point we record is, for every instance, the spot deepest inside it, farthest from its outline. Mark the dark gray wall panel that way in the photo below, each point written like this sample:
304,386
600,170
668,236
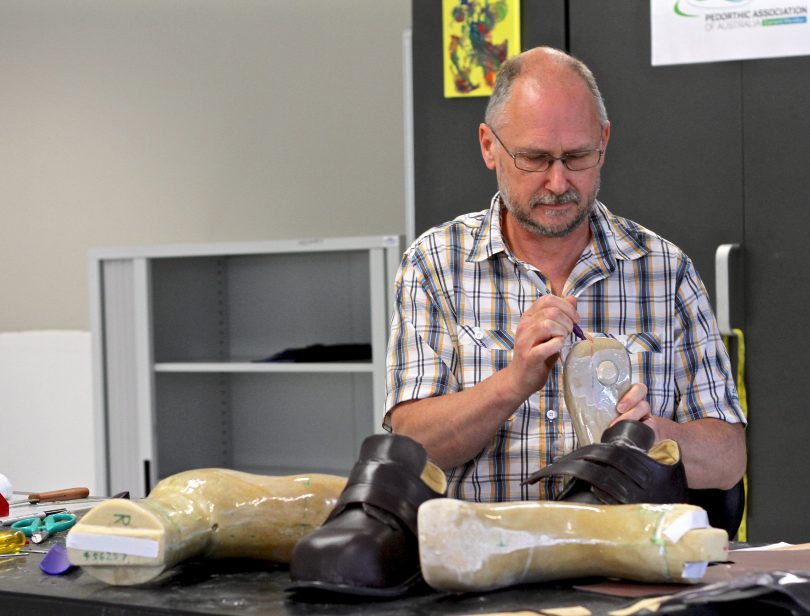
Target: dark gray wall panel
451,178
674,159
703,154
777,218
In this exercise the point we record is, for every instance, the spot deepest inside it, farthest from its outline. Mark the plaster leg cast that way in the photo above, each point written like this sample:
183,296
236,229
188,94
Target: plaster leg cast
466,547
212,513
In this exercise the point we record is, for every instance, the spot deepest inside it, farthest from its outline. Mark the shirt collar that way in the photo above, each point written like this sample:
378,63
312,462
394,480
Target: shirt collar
614,238
489,239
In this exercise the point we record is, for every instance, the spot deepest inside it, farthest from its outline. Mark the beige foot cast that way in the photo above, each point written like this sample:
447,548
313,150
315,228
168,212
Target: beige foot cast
211,513
479,546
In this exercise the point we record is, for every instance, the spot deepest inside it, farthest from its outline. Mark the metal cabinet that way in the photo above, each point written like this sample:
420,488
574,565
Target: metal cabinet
179,333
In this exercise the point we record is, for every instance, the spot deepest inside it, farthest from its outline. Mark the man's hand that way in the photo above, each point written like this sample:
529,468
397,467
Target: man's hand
455,427
633,405
713,451
539,337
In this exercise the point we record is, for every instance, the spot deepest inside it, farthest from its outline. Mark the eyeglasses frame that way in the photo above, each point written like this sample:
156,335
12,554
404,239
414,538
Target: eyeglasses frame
563,159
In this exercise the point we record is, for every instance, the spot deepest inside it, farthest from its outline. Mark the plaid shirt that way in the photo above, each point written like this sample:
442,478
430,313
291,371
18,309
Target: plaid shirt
460,293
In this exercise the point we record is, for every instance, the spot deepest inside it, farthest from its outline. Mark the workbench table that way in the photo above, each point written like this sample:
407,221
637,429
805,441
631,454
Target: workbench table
249,587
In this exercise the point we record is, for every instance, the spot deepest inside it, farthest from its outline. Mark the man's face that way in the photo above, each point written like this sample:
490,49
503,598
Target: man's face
549,215
556,119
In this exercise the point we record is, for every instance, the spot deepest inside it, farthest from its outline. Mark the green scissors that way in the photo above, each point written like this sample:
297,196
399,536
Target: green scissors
39,529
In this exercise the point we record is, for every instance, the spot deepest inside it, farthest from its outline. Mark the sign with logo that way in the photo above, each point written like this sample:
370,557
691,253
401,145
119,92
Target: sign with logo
688,31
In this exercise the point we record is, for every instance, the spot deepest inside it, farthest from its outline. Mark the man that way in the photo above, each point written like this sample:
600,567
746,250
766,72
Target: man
486,305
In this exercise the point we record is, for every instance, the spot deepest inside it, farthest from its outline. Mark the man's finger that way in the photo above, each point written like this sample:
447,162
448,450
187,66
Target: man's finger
636,394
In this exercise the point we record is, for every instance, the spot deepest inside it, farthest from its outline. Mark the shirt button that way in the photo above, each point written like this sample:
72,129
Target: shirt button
551,414
478,333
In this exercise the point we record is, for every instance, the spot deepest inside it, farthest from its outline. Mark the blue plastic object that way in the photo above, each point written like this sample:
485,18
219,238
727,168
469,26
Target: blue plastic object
55,562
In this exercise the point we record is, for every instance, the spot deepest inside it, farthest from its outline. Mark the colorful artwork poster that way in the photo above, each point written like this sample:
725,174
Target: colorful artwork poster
479,36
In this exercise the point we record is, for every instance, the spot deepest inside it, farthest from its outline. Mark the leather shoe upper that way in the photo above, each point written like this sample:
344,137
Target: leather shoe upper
368,544
622,469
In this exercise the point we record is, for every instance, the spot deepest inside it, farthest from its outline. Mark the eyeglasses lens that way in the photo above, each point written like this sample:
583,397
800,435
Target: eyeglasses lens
577,161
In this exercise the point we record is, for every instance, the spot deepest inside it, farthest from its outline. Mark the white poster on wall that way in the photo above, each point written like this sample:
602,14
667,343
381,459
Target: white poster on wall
688,31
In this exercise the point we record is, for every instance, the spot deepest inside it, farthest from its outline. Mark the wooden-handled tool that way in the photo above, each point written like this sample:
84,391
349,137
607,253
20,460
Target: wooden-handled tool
59,495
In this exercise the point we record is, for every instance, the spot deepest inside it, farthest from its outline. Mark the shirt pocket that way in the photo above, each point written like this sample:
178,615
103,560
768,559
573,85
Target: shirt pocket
647,362
496,339
482,352
641,342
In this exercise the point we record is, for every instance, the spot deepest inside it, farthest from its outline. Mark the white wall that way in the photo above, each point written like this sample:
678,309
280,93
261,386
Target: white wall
149,121
46,376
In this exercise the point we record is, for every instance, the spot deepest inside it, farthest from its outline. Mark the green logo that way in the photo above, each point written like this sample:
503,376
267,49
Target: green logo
679,11
681,6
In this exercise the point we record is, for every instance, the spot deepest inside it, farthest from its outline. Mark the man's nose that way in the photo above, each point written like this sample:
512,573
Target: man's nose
557,178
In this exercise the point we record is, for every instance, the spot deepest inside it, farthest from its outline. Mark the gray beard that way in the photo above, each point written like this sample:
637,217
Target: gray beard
524,219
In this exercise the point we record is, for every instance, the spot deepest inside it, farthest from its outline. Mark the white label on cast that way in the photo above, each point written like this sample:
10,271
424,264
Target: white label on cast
110,543
694,571
684,523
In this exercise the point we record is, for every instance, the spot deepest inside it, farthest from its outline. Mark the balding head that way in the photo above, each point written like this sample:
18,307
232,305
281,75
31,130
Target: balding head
543,64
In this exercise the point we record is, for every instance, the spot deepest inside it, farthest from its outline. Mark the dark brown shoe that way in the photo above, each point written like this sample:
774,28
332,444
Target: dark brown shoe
368,544
624,468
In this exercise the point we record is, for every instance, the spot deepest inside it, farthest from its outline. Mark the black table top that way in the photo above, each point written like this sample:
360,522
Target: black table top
248,587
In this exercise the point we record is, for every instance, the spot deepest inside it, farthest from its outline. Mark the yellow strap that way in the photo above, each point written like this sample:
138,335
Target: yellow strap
742,533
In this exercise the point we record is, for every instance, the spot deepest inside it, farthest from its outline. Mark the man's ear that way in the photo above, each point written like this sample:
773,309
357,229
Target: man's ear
487,141
605,137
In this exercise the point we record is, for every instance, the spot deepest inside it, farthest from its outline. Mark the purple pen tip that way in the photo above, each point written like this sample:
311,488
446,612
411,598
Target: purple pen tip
578,332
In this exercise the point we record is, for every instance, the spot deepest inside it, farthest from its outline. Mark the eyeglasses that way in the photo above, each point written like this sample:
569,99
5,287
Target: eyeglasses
541,161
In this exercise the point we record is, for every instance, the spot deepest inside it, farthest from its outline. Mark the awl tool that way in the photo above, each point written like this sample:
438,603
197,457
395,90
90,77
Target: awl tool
55,495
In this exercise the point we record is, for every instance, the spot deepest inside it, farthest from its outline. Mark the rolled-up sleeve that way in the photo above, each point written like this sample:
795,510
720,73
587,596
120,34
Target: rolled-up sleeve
703,376
421,349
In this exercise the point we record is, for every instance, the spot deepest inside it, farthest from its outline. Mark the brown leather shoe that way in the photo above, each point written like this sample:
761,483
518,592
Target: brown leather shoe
368,544
624,468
